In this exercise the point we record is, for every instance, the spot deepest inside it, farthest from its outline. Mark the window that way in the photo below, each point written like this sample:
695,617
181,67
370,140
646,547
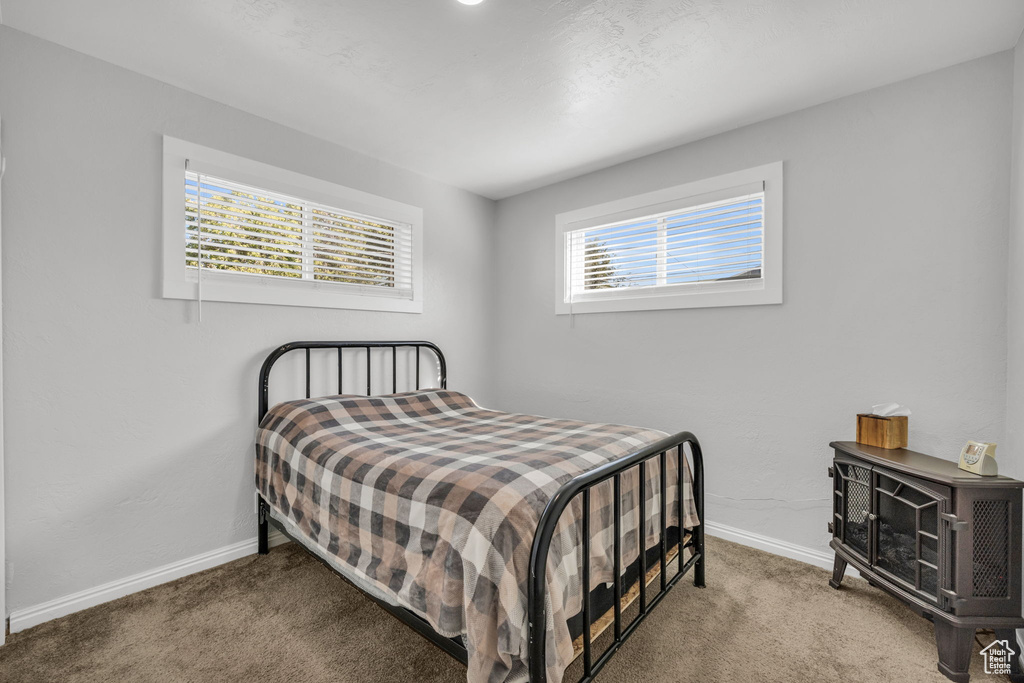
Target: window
716,242
238,230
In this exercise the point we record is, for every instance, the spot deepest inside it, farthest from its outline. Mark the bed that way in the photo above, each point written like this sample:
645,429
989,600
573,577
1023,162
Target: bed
513,542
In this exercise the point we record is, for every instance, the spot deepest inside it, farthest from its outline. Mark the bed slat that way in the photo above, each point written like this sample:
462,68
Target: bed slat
664,512
642,535
586,583
617,566
602,623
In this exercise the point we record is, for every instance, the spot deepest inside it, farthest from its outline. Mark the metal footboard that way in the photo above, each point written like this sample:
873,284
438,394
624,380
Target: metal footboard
581,486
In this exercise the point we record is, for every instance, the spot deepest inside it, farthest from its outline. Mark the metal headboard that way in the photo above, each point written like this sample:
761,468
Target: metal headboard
341,346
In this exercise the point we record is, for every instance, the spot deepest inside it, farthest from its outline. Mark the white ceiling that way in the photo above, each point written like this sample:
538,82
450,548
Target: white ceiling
510,95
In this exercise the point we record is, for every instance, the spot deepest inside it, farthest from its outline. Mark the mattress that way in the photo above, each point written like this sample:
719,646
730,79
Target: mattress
427,501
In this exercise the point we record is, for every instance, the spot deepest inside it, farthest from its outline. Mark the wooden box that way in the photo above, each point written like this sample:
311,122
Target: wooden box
883,432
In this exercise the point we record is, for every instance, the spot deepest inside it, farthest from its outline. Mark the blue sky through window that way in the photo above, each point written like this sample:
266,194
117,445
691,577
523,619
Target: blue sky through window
715,241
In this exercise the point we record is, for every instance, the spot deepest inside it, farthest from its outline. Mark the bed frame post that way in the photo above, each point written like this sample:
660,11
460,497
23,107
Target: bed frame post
698,503
263,515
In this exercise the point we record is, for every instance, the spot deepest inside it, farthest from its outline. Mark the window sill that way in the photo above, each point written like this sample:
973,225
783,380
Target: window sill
265,291
654,301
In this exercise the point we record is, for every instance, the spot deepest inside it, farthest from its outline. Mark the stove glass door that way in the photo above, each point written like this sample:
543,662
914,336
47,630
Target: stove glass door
852,503
907,540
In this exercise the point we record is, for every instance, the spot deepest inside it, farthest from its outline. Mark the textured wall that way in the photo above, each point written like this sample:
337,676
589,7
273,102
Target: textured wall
1009,455
889,194
129,428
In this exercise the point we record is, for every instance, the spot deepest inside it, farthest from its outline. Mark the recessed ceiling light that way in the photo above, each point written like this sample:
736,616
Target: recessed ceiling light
471,2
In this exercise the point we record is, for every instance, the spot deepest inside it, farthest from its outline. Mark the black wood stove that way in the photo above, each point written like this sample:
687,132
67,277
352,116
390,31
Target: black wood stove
944,541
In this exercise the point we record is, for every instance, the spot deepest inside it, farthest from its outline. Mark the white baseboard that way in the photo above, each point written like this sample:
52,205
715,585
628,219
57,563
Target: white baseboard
772,545
33,616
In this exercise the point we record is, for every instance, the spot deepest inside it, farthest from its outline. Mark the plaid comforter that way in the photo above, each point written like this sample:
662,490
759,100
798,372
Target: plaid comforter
430,502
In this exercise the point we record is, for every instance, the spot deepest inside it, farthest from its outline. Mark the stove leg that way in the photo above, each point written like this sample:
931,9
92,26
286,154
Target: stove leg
838,571
262,527
955,646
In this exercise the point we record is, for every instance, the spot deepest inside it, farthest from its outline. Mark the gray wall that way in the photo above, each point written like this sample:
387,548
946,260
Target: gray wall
129,425
1010,456
889,196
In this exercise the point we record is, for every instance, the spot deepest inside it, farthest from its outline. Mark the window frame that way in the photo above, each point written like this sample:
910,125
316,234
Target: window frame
180,282
765,290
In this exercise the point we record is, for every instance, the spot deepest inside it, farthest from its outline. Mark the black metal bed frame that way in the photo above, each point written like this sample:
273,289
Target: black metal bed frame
580,485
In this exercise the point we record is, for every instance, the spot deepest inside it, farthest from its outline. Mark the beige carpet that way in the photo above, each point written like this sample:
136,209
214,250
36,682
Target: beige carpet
285,617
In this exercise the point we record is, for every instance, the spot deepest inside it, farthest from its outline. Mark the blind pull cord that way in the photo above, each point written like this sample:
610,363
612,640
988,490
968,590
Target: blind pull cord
199,242
572,281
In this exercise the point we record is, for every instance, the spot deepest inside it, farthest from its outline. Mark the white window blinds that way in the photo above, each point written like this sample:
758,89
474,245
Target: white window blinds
718,241
232,228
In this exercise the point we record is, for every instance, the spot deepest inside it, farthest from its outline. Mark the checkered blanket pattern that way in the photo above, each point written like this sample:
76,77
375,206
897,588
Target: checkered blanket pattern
432,502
